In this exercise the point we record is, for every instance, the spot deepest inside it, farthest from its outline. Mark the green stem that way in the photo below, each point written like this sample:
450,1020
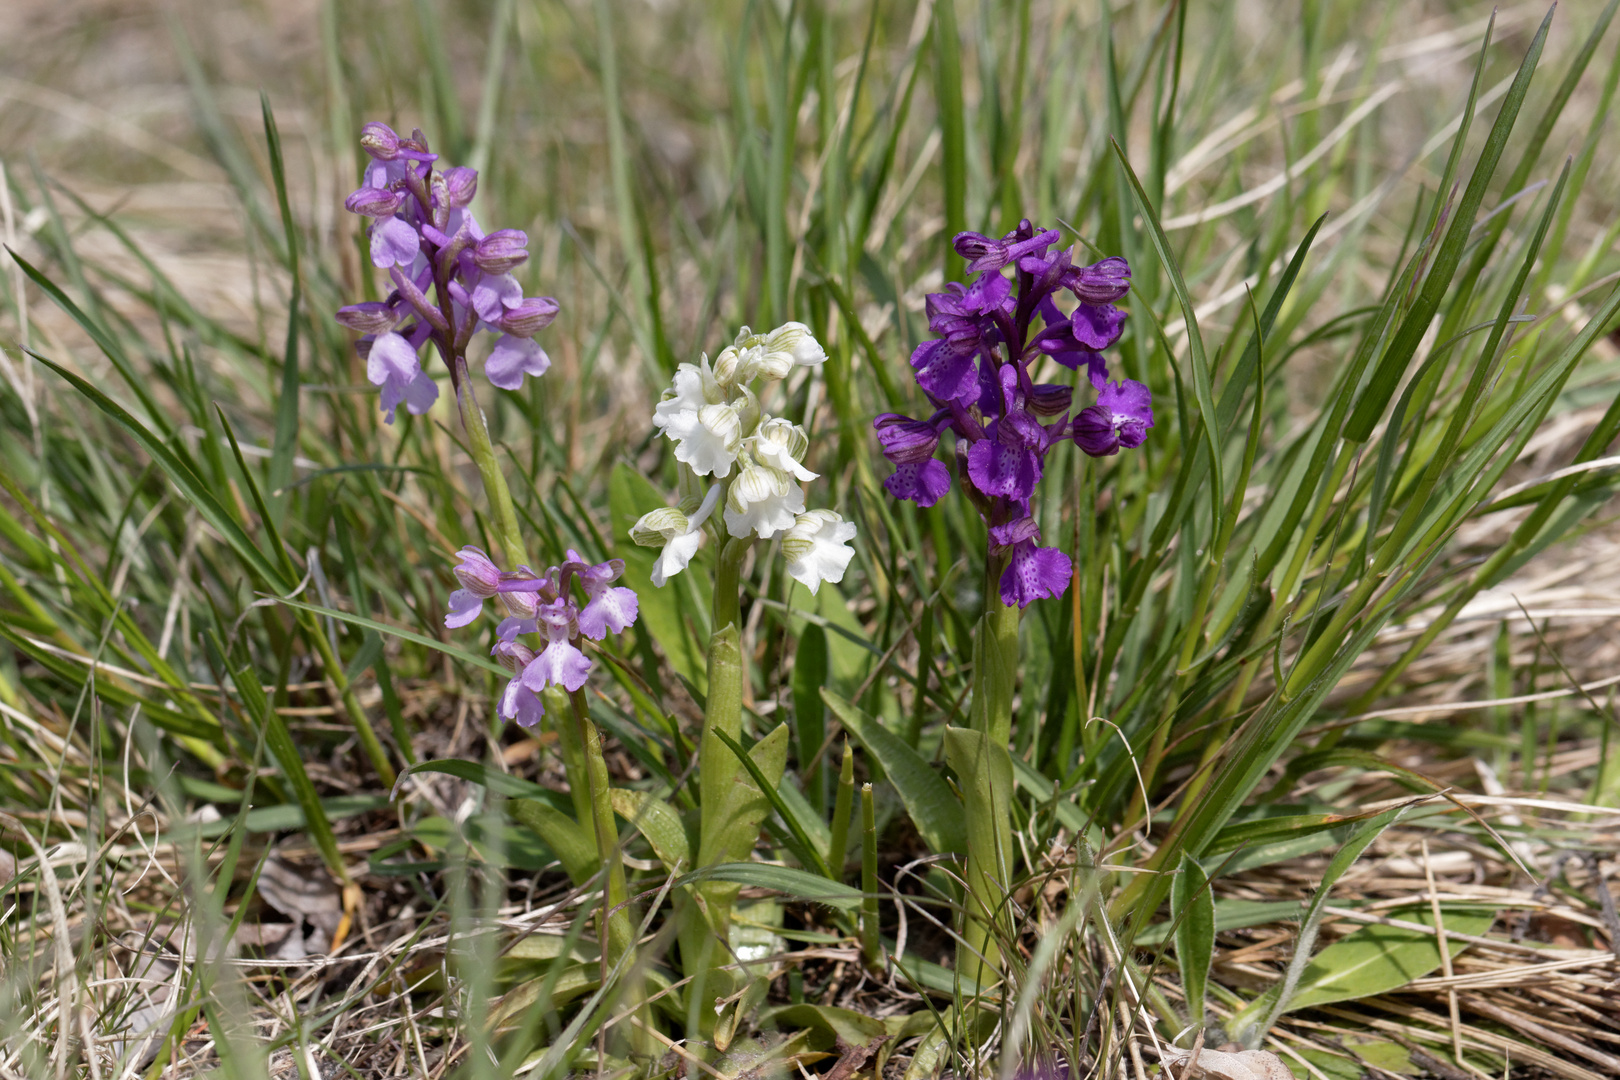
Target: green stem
843,807
599,809
984,768
871,939
704,919
995,667
728,583
489,471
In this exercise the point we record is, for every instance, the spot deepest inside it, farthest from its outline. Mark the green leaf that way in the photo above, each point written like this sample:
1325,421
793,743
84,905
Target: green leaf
285,817
1203,388
769,790
819,831
1069,815
107,343
291,763
828,1023
1377,959
1247,834
731,826
574,849
285,445
1192,904
783,879
658,823
491,836
435,644
809,711
927,798
948,93
513,787
1230,915
1252,1022
848,650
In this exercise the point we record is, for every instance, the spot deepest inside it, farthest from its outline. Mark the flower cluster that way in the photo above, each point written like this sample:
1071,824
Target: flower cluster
423,234
544,605
977,374
712,415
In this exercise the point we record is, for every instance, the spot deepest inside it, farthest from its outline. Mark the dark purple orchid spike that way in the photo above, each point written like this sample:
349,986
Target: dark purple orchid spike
976,370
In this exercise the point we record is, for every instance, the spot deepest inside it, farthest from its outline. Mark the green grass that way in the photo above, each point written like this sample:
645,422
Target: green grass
222,578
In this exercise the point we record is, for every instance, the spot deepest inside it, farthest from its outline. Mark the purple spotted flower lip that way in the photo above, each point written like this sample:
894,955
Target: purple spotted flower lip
450,280
547,605
989,334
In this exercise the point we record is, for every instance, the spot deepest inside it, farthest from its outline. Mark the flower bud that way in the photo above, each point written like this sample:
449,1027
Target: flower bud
1101,282
380,141
374,202
512,655
462,183
906,441
501,250
477,574
655,528
796,340
982,252
371,317
1050,399
531,315
727,366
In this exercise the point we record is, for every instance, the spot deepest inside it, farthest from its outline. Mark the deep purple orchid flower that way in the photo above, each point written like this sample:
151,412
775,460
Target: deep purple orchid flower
437,257
976,371
1121,417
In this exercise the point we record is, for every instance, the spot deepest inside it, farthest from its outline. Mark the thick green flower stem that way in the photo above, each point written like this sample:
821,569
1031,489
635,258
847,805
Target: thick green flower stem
707,916
593,808
489,472
728,584
980,758
995,668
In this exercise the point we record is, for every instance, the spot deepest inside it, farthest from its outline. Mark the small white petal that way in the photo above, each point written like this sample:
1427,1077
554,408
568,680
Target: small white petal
707,440
680,535
817,548
693,388
762,501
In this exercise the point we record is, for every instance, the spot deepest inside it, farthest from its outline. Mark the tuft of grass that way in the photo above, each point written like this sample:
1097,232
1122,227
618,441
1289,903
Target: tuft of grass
1333,668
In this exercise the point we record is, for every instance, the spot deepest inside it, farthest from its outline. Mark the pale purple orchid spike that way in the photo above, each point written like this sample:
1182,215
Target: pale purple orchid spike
977,373
545,605
436,255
